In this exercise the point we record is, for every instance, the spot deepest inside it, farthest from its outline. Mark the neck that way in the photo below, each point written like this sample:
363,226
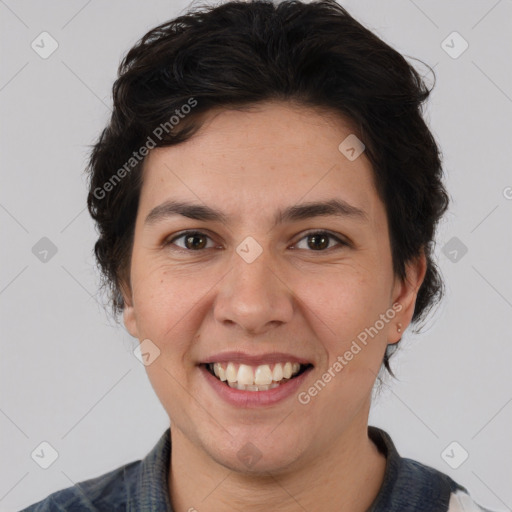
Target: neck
345,477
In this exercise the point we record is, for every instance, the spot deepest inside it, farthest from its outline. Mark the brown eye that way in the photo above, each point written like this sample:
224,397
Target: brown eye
192,241
320,240
195,241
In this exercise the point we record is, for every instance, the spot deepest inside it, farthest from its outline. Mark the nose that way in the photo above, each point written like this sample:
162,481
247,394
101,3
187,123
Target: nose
253,296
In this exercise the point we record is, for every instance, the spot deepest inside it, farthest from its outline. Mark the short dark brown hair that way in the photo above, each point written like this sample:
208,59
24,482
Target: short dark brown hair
242,53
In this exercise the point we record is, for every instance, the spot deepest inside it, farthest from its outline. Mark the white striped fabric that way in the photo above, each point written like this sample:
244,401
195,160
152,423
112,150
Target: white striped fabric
462,502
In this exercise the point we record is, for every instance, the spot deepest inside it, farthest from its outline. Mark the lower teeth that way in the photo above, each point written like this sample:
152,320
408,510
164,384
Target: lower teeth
249,387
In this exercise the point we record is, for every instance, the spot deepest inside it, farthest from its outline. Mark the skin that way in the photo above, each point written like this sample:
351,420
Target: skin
309,302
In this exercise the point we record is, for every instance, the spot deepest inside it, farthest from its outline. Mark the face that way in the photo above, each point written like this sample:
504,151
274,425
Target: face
263,281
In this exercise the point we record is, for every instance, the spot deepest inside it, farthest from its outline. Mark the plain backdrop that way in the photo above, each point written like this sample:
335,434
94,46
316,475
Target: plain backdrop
68,374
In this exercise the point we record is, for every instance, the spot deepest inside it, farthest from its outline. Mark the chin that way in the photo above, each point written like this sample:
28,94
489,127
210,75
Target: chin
257,464
255,453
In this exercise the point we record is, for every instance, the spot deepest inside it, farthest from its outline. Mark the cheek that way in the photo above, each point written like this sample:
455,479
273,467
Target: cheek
343,302
168,312
160,303
170,305
342,310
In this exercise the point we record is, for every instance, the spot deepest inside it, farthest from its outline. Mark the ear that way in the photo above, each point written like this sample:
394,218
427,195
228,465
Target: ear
129,317
405,292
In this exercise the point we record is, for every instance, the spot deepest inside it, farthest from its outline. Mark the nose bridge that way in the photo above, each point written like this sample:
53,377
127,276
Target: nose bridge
251,295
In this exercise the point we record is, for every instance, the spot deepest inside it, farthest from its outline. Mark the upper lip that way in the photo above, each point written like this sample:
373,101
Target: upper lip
255,359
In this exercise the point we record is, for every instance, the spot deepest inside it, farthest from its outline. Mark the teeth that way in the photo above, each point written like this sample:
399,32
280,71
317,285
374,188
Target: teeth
219,371
231,373
245,375
263,375
277,374
248,378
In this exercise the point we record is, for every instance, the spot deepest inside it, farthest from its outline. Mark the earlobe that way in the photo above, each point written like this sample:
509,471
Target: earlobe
405,294
129,317
130,321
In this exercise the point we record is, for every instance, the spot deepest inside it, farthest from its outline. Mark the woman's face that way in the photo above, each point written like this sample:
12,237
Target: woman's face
260,286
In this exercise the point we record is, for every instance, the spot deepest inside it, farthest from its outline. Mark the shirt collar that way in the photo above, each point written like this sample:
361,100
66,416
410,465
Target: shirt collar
405,481
150,491
408,484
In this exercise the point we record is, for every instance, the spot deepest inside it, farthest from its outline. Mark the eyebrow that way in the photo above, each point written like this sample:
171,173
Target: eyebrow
333,207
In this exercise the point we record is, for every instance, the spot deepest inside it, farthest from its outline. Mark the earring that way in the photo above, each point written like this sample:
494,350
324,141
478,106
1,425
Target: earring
399,329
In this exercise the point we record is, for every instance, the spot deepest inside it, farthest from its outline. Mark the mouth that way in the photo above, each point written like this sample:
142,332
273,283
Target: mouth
263,377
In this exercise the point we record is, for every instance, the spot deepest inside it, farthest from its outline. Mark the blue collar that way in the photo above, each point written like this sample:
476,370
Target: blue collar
407,485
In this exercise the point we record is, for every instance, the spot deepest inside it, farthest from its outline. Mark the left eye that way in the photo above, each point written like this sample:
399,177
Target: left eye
320,240
190,240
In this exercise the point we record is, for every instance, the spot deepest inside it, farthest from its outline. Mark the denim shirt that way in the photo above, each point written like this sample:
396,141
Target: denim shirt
142,486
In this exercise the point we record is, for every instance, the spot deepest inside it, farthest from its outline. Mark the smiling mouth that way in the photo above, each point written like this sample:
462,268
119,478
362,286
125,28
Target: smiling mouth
256,378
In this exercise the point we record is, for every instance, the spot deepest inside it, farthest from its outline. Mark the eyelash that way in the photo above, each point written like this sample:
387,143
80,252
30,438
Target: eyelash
185,234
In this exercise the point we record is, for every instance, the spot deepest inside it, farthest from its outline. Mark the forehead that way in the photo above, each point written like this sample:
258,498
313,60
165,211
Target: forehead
274,154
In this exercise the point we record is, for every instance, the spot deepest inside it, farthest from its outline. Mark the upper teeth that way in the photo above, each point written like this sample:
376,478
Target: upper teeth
261,375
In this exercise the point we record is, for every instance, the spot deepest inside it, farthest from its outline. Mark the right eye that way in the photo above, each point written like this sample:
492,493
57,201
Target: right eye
192,241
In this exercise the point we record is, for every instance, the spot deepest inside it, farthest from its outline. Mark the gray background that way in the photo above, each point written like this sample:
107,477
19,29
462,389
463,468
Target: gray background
68,374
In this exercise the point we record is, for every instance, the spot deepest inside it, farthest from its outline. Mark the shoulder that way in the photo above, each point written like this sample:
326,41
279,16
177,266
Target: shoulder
412,486
428,480
107,492
139,485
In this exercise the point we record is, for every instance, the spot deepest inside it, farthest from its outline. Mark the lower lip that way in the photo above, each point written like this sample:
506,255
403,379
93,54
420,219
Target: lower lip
241,398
